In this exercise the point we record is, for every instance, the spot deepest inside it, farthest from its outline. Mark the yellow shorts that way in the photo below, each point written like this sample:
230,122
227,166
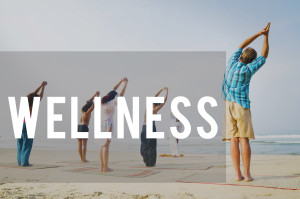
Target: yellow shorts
237,122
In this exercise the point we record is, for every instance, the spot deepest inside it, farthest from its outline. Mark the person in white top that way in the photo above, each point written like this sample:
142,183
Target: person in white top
174,141
108,104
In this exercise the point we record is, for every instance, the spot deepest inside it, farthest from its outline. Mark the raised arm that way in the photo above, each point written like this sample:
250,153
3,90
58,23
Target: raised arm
125,80
167,92
251,39
157,108
42,91
96,94
159,92
90,109
265,49
39,88
118,84
42,86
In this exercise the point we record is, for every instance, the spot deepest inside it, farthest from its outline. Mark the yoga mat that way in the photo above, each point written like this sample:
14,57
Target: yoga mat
77,162
169,155
175,167
129,173
35,166
271,182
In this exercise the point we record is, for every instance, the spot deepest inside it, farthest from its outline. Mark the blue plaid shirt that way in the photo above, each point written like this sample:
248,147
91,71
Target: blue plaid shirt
237,78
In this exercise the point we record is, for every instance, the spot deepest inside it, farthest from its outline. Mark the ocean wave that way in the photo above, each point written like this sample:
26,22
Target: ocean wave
278,142
284,136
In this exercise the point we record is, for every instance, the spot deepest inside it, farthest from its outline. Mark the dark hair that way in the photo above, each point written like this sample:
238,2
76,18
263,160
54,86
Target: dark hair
156,104
30,98
249,54
87,106
110,96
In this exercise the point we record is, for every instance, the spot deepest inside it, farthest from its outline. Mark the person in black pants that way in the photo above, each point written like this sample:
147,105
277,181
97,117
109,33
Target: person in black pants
148,146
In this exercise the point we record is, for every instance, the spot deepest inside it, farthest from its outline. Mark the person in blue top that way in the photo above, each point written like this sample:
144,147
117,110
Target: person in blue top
24,144
242,65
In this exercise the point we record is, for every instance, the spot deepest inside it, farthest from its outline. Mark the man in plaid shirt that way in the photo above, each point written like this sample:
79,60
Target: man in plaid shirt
240,68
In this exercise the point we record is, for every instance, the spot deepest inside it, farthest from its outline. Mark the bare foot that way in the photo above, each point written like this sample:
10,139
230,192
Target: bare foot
248,179
84,161
107,170
239,176
240,179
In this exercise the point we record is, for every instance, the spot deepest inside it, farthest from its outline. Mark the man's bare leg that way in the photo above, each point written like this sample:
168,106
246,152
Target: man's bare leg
246,157
84,147
235,156
80,149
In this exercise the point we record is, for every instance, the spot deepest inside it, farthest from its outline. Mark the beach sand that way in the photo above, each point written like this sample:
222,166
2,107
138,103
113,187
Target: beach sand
275,177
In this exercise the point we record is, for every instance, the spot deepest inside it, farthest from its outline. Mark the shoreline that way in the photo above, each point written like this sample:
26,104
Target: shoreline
275,176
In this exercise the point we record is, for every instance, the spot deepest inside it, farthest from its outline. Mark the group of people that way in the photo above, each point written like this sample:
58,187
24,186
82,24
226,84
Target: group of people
242,65
108,103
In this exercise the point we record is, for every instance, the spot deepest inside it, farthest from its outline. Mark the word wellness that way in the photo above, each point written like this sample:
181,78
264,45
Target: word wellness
122,113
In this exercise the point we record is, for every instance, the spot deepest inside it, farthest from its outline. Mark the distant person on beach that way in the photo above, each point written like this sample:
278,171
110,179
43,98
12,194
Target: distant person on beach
86,111
108,104
172,140
24,144
148,146
242,65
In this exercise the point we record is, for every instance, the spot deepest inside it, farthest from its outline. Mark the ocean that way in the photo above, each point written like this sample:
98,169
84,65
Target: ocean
280,143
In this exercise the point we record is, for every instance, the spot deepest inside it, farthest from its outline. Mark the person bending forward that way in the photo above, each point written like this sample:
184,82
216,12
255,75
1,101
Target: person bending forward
148,146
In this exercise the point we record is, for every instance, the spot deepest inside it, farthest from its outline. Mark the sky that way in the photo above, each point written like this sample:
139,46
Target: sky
171,25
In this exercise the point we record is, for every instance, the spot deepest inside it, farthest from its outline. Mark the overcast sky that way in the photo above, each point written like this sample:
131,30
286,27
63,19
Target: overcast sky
170,25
